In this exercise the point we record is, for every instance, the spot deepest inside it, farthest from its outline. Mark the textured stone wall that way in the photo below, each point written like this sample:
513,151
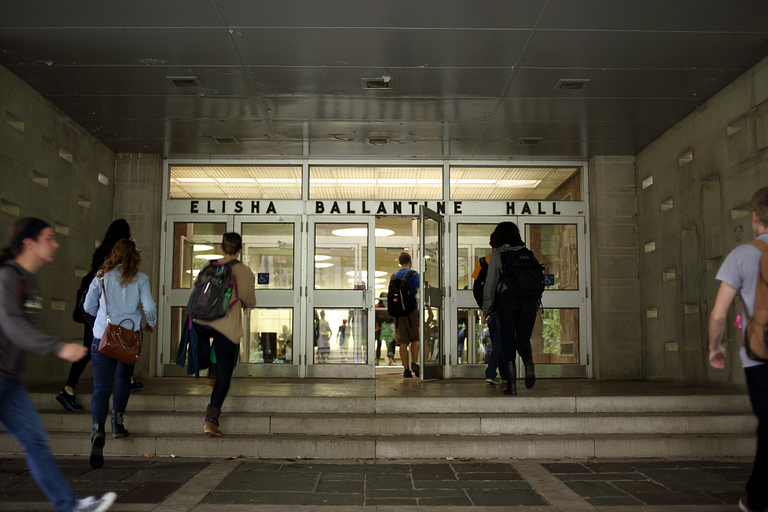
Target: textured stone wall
693,189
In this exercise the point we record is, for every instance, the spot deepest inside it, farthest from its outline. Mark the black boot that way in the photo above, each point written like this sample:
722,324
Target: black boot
530,372
97,445
211,426
511,377
118,429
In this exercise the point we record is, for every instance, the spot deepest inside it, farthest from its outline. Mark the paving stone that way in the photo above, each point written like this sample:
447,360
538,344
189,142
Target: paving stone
413,493
614,502
372,502
23,495
607,467
348,468
595,489
345,477
642,486
267,481
9,480
729,497
259,466
342,487
505,498
169,472
149,492
676,498
377,481
472,467
281,498
565,468
438,502
107,475
489,476
471,484
93,488
70,472
689,480
612,477
432,472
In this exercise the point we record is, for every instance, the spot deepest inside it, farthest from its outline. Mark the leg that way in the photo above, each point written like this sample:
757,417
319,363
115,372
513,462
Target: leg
103,377
525,323
226,357
413,335
757,382
496,350
76,370
507,314
20,419
404,356
120,398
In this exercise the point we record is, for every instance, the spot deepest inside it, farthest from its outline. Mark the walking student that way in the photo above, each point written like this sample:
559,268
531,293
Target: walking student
114,297
118,230
495,361
32,244
516,315
227,331
739,274
407,327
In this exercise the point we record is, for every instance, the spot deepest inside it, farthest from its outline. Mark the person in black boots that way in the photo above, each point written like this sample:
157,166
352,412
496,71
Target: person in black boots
509,294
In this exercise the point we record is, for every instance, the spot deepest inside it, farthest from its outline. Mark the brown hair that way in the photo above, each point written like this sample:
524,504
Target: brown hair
404,258
759,205
28,227
231,243
124,253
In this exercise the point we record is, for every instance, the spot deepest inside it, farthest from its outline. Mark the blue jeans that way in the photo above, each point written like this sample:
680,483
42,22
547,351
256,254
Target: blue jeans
107,371
20,419
494,328
757,382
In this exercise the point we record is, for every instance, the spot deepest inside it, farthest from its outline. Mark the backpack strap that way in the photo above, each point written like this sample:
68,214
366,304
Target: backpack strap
483,264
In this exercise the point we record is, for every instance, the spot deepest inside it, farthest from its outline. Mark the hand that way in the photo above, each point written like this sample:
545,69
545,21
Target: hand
488,319
150,329
717,357
72,352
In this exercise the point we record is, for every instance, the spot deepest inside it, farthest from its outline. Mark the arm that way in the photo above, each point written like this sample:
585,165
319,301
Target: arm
725,296
147,303
246,286
491,282
92,298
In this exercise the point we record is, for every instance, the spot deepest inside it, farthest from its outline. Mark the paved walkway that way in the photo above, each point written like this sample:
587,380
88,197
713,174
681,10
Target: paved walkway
202,485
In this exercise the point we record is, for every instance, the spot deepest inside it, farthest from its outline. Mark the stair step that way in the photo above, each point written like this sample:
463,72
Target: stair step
406,447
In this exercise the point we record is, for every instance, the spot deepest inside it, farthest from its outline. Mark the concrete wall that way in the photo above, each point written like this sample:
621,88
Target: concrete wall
50,168
615,286
694,184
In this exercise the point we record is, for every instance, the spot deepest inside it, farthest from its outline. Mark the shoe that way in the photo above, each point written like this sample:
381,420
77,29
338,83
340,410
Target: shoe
69,402
407,374
530,371
511,388
118,428
743,505
91,504
493,382
97,446
415,368
136,386
211,426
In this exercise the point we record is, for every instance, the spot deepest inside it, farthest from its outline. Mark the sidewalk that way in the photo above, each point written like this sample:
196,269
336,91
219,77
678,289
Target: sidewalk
239,484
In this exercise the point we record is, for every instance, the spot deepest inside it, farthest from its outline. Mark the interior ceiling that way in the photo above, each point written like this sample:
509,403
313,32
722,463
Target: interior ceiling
469,79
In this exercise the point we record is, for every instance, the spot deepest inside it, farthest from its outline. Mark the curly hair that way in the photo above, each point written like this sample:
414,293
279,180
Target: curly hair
124,253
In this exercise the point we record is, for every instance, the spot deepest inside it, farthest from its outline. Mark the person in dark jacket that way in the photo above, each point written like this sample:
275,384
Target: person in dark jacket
516,316
32,244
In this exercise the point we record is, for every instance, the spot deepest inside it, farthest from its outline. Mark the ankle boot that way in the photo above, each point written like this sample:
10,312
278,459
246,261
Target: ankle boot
530,372
511,377
211,426
97,445
118,429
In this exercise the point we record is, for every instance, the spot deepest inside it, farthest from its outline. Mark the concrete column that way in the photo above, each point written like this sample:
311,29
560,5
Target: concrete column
615,283
138,191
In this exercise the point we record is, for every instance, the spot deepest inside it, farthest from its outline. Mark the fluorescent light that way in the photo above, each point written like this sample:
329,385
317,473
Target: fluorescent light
322,257
396,182
209,256
276,180
518,183
477,182
235,180
364,273
320,264
357,180
202,247
430,180
195,180
380,280
361,232
322,180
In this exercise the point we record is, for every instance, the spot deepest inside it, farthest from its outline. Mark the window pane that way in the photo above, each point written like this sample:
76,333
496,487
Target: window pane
474,243
268,249
515,183
271,336
474,340
194,244
235,182
350,182
341,336
556,247
555,337
341,256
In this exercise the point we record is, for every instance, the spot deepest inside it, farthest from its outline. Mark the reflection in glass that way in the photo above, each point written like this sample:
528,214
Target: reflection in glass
340,336
432,336
268,251
341,261
178,315
474,339
555,337
194,244
556,247
474,243
270,336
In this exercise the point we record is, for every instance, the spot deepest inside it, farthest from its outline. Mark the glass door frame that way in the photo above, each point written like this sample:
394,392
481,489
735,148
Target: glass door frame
435,371
334,299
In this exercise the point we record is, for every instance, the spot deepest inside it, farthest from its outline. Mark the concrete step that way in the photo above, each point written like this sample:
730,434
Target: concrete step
418,424
406,446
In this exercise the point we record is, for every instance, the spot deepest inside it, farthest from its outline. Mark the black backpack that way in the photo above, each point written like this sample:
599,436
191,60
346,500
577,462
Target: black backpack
212,292
523,274
477,287
400,300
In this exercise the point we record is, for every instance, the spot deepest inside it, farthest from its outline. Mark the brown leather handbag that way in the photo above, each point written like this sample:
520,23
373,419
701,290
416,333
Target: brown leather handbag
118,342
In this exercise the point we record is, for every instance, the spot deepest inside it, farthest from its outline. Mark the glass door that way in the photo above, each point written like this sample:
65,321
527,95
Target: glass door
431,294
340,297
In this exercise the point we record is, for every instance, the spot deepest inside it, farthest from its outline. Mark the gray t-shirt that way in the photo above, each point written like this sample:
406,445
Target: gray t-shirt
740,270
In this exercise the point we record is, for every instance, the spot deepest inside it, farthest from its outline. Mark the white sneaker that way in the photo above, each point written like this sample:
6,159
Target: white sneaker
91,504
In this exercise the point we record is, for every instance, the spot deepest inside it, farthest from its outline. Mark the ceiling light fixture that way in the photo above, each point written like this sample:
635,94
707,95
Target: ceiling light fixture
195,180
235,180
185,81
529,141
572,84
379,82
202,247
361,232
209,256
320,264
322,257
518,183
364,273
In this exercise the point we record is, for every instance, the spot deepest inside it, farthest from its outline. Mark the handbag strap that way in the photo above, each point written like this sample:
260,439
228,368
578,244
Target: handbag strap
104,291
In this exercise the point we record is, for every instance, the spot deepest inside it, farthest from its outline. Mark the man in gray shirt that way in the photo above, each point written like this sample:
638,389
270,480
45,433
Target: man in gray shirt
738,274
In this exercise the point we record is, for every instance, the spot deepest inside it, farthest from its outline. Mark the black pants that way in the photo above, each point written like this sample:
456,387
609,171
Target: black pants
757,382
516,320
226,359
77,368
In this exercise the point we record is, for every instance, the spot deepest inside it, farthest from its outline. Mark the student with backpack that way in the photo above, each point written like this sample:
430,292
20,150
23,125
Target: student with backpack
744,271
401,305
480,276
32,244
513,291
226,330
